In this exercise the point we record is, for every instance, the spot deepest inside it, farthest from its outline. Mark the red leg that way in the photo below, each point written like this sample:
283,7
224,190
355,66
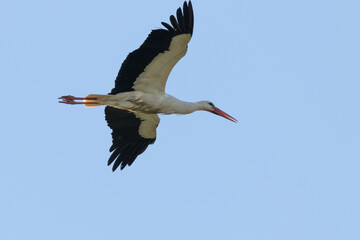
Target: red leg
71,100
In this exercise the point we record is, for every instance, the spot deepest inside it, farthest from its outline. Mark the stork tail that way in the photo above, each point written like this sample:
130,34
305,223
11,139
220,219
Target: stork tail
93,100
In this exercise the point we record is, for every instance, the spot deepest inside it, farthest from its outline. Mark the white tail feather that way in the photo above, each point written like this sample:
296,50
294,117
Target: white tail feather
94,100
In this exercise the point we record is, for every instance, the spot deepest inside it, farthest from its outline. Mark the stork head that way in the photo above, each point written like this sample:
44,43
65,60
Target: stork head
210,107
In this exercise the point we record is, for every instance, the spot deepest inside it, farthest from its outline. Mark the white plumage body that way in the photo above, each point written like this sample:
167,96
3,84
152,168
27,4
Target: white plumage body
148,103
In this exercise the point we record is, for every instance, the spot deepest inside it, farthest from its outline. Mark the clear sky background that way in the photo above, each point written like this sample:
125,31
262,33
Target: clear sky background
289,71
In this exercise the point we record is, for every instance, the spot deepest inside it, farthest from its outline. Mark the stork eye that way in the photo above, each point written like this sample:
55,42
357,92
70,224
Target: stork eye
211,104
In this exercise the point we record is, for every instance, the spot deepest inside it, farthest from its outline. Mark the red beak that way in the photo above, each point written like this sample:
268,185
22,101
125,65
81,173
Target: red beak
219,112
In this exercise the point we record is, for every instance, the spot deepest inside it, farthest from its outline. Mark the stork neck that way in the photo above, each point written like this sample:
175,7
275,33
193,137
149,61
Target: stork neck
176,106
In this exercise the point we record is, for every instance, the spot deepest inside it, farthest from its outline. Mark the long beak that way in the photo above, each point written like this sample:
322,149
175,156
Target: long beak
219,112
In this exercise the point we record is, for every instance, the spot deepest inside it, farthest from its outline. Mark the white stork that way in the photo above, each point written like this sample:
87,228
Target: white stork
139,93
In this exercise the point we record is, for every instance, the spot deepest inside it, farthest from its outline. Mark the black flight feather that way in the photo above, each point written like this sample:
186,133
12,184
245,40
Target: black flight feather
180,20
174,23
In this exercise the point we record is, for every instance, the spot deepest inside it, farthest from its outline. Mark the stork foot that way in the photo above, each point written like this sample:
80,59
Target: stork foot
72,100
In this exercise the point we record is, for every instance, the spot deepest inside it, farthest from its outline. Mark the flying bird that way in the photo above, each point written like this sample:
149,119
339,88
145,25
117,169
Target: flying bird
133,105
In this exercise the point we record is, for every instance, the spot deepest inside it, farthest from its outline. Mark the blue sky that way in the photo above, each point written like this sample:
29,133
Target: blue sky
289,169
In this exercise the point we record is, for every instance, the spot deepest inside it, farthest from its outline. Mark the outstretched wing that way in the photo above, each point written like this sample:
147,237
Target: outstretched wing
147,68
131,132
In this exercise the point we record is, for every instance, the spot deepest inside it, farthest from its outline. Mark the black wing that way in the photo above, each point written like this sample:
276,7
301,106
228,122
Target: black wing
156,43
131,132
